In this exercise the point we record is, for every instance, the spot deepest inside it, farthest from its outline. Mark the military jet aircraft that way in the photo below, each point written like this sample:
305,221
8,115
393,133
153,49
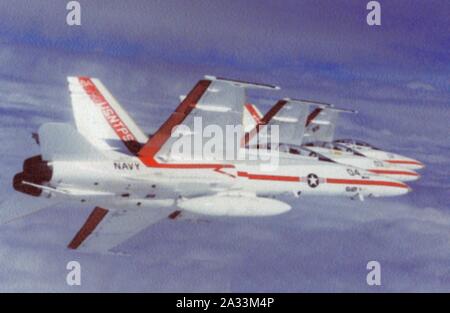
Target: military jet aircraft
320,127
373,152
316,130
133,181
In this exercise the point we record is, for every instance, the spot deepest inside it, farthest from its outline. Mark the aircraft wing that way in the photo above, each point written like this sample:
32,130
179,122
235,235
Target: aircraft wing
106,228
251,117
290,117
212,101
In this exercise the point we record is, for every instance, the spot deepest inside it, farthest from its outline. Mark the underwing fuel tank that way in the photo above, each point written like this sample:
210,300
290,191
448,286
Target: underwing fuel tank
234,205
35,171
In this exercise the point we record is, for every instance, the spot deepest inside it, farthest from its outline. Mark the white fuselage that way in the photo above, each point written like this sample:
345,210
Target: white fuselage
393,159
129,180
372,165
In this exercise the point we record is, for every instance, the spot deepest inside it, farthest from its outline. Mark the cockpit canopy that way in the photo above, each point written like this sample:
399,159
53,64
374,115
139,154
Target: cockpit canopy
333,146
356,142
296,150
324,144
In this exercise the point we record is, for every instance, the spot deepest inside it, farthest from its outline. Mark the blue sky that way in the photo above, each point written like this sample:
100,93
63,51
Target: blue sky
150,52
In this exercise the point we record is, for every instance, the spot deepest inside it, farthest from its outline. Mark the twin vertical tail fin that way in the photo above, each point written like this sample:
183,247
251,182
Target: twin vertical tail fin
101,119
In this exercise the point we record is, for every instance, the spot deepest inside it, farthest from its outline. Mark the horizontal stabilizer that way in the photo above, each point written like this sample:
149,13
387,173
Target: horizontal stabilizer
61,141
19,206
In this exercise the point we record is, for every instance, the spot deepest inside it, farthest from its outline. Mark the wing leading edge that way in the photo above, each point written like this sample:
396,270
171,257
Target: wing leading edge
212,101
106,228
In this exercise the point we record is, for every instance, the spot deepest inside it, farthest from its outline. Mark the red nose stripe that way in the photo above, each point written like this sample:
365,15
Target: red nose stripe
394,172
365,182
404,162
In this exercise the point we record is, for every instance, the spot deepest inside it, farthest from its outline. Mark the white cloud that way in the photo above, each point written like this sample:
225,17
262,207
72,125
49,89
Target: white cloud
322,244
420,86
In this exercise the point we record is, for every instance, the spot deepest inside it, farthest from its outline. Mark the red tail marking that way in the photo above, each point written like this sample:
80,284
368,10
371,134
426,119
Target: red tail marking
150,149
113,119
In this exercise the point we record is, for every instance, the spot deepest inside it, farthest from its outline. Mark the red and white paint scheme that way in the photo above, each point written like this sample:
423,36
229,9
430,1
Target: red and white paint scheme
321,124
251,116
305,126
343,155
132,181
375,153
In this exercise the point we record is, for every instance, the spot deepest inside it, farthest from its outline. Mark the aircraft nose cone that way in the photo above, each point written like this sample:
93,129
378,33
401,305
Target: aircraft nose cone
404,190
410,175
397,173
419,165
397,188
415,164
407,163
